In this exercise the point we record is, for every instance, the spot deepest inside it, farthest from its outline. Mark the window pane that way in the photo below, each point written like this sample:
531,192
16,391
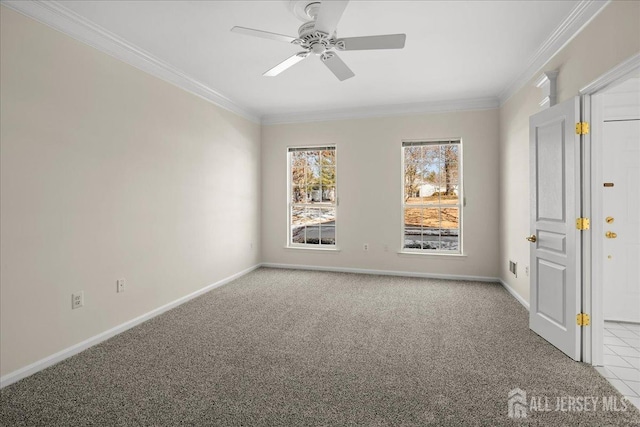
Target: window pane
314,195
327,221
413,217
412,238
412,156
328,158
298,195
450,229
313,221
298,158
298,176
413,228
431,173
329,195
314,167
431,228
328,216
328,235
431,244
328,177
431,219
442,181
297,227
449,163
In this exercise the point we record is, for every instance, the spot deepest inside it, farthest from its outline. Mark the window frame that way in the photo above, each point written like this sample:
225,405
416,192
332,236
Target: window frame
307,246
460,205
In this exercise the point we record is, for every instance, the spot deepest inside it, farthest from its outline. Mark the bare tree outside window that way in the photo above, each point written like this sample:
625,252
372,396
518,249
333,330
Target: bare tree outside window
432,196
313,197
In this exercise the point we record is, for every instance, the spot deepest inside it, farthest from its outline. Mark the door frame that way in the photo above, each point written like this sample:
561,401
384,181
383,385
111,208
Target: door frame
591,167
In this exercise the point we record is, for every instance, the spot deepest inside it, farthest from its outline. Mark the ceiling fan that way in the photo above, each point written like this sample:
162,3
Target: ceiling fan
318,36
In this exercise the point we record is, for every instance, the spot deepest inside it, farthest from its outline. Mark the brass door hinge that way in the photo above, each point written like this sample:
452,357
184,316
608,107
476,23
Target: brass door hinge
583,319
582,128
582,223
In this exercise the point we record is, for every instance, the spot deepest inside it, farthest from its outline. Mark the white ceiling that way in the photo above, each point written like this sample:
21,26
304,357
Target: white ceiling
455,50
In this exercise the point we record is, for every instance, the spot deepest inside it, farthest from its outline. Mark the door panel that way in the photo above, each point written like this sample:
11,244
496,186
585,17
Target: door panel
555,205
621,202
552,281
555,242
550,184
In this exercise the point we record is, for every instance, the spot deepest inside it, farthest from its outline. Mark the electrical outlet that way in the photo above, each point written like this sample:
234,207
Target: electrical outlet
526,270
365,247
120,285
77,300
251,245
386,248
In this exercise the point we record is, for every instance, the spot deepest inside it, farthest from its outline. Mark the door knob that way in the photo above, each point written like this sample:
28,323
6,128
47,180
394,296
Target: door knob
610,235
532,238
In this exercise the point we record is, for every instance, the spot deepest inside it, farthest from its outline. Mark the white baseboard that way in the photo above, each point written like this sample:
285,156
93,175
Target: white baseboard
41,364
516,295
90,342
509,289
381,272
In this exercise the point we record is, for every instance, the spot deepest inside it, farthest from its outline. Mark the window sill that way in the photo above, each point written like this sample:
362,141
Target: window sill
304,248
435,255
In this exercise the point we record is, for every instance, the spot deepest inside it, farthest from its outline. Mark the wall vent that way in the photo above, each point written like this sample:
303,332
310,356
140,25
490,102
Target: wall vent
513,268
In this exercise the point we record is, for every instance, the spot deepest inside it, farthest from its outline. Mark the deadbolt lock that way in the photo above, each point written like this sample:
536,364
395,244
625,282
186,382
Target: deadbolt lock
609,220
610,235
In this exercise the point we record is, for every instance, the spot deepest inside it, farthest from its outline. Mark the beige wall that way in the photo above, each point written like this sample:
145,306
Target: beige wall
370,191
612,37
108,172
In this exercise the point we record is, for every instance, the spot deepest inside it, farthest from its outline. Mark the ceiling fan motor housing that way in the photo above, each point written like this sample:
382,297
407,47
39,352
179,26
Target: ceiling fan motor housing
316,41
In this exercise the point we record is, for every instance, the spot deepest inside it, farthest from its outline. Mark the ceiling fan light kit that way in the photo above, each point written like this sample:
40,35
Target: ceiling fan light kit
317,36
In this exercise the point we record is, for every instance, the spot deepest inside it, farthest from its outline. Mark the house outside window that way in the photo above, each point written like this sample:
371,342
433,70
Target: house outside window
432,196
312,189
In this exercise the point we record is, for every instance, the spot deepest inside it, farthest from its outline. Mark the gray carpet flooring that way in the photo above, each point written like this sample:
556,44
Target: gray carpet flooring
296,348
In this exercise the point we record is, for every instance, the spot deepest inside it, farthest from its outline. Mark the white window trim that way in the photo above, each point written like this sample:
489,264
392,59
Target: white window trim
460,205
305,246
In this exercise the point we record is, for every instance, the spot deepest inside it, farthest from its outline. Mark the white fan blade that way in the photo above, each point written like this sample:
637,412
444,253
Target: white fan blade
337,67
263,34
289,62
389,41
329,15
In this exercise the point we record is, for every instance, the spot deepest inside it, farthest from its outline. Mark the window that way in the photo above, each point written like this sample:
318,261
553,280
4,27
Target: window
312,197
432,208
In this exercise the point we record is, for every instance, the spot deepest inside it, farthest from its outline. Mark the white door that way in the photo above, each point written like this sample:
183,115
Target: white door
621,220
555,286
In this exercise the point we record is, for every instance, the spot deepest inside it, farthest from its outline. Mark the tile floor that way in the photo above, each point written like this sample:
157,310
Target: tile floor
622,358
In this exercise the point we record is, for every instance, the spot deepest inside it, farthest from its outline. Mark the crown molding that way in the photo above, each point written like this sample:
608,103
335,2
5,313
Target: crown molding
60,18
579,17
624,69
55,15
384,111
